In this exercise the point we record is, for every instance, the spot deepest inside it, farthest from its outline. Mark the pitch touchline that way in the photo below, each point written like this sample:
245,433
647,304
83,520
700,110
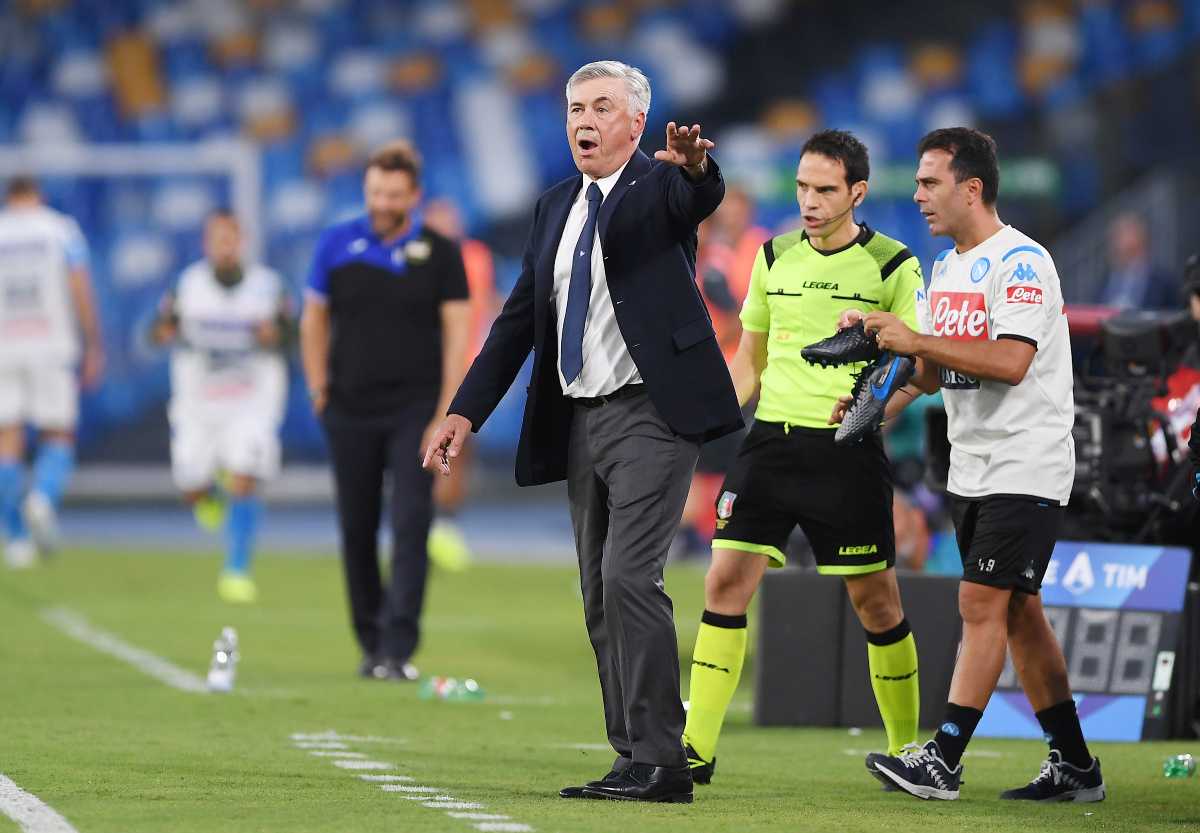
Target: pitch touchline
77,627
403,786
30,813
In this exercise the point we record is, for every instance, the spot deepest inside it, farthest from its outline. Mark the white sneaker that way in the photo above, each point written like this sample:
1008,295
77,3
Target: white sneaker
40,517
20,554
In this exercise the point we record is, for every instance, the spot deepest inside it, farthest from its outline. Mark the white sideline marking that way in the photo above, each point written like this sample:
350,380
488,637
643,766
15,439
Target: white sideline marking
30,813
77,627
331,735
329,745
453,805
405,788
363,765
510,700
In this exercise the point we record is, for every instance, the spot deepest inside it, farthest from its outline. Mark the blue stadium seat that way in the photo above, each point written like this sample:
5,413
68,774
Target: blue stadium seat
991,72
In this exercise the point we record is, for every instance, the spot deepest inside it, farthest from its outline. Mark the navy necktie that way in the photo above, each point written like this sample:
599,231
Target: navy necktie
579,291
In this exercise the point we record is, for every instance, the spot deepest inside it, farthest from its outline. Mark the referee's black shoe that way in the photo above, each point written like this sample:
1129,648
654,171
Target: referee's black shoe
614,776
702,770
646,782
852,344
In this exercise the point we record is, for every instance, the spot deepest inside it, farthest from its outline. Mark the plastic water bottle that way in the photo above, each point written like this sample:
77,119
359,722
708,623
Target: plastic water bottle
1179,766
450,689
224,661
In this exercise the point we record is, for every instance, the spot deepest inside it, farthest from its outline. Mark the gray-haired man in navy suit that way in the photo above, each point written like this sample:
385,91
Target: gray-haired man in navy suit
627,382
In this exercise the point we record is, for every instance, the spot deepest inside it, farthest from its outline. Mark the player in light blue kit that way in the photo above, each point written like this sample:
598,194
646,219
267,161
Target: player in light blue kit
45,306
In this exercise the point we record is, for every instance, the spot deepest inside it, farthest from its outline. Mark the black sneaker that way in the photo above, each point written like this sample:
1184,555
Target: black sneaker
884,781
843,347
920,771
397,670
871,393
366,668
702,770
1060,781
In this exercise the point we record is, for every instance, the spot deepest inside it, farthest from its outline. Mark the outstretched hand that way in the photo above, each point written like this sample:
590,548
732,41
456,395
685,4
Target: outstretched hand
444,442
685,147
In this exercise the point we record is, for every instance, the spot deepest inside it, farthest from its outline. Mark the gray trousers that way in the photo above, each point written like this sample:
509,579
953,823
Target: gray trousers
627,478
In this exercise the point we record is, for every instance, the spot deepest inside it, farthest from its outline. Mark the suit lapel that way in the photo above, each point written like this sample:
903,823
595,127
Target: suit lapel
638,165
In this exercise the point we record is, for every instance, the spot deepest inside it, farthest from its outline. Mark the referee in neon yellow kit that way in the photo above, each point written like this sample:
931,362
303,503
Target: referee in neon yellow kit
788,470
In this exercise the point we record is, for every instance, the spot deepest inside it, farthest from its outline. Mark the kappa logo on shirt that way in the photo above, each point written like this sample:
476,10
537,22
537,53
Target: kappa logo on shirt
959,315
1024,295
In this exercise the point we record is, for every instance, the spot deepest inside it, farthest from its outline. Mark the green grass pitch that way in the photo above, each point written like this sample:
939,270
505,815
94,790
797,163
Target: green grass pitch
113,749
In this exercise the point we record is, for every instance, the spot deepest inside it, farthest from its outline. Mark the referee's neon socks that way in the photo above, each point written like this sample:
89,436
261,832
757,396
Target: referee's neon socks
892,659
716,669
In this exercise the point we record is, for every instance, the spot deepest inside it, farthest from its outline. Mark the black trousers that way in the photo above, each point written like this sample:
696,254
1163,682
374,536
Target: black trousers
386,620
627,479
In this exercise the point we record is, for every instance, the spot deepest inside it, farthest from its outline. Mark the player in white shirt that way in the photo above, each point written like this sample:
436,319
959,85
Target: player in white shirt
995,341
227,323
45,304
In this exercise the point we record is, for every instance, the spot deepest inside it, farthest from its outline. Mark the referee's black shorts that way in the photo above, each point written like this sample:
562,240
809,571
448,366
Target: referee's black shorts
841,498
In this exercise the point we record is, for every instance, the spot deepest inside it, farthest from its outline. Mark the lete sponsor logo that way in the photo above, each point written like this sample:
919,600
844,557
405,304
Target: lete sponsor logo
1024,295
959,315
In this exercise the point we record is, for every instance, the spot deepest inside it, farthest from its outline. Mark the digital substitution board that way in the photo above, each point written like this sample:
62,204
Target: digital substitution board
1117,610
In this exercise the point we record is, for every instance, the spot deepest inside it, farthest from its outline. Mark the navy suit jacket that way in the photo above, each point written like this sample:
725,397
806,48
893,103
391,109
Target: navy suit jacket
647,227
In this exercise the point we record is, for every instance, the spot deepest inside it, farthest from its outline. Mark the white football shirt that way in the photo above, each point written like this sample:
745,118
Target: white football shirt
1005,439
218,369
38,249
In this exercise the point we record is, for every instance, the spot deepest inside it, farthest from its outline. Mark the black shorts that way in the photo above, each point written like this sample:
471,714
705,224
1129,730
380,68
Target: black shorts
1006,540
840,497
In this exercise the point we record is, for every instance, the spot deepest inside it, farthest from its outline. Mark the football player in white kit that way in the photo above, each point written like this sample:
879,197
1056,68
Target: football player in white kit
227,323
995,342
45,305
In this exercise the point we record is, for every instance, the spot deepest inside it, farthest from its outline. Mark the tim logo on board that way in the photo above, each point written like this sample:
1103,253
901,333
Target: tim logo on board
1116,576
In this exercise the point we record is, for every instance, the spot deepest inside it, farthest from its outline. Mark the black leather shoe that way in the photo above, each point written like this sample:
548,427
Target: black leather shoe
613,777
643,782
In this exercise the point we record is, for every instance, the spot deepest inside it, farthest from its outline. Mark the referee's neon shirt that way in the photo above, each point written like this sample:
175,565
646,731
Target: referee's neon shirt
797,294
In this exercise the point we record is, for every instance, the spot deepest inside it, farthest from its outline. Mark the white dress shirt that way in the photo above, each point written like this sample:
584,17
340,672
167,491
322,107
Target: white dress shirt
607,364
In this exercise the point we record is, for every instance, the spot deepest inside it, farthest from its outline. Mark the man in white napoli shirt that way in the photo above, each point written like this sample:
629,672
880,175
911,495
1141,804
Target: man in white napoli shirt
995,341
46,305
